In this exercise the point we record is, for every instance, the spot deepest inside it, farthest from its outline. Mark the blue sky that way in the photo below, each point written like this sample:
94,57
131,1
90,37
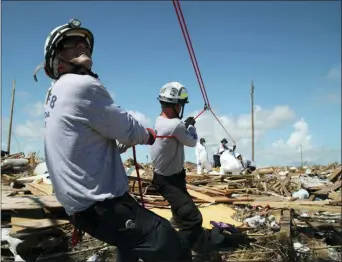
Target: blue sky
292,52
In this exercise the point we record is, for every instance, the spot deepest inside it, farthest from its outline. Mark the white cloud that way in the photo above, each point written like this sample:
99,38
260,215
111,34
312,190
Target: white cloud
35,110
281,152
240,127
300,135
143,119
300,142
31,130
335,73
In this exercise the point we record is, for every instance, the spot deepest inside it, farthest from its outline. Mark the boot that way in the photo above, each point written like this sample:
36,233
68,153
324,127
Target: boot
204,250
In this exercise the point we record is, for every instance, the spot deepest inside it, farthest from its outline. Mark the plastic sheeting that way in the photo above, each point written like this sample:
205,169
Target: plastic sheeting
229,164
14,162
301,194
40,169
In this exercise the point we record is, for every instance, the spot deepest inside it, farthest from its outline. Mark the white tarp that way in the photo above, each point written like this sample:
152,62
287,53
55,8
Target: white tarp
40,169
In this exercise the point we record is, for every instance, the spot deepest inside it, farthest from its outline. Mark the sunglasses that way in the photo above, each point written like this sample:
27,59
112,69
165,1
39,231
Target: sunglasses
73,42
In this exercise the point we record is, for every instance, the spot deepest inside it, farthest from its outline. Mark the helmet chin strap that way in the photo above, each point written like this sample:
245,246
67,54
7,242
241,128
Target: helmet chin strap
181,112
77,69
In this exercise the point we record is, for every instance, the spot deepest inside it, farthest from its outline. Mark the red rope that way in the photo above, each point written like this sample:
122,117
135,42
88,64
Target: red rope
188,43
194,62
218,120
193,58
200,113
138,177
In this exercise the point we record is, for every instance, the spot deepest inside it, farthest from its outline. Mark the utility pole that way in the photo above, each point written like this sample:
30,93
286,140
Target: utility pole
252,118
301,155
11,119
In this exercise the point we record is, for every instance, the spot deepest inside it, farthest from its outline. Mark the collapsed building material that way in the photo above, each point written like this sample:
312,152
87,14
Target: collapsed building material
252,206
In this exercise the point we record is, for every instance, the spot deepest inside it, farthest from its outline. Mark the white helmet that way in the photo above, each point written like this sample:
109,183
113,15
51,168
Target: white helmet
173,93
237,155
73,28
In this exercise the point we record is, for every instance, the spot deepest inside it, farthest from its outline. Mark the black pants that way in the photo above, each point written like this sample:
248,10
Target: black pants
184,210
217,162
251,168
134,230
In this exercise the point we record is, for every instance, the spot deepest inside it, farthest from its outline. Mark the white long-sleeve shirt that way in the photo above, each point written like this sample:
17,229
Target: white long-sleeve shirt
167,154
201,153
82,127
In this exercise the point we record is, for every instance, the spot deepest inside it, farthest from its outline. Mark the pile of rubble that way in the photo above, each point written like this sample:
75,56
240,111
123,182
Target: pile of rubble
273,214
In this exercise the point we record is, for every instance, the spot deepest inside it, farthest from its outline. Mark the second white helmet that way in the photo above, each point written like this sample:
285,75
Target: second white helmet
173,93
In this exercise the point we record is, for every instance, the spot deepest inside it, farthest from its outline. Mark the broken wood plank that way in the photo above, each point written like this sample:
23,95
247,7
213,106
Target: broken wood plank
202,196
204,190
328,189
19,223
216,199
40,189
335,196
312,197
29,202
332,177
264,171
224,199
282,184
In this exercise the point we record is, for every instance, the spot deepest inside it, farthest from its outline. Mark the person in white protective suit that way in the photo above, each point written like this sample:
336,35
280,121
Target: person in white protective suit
229,164
202,158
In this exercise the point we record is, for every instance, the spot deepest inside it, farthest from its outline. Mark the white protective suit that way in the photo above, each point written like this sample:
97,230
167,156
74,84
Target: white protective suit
202,159
229,164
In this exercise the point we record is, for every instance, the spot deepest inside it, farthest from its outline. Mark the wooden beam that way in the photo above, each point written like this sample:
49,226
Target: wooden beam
29,202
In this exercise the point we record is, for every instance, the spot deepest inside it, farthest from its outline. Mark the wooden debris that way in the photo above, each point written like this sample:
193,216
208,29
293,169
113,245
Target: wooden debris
221,198
29,202
333,177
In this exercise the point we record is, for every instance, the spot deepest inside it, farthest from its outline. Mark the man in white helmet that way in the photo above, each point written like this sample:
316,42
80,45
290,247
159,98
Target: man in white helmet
202,157
167,154
83,128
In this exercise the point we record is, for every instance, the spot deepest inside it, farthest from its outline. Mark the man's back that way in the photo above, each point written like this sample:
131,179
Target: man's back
84,165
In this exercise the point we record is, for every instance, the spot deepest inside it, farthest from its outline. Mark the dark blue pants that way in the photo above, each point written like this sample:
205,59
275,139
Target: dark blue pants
134,230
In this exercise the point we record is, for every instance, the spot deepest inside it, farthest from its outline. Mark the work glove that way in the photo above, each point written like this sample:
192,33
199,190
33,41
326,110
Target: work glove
190,121
152,136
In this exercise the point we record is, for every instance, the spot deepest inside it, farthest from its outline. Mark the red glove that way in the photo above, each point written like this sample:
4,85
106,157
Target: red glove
152,136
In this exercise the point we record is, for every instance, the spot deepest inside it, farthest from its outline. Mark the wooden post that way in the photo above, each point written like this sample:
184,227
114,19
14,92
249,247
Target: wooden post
252,118
11,119
301,155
